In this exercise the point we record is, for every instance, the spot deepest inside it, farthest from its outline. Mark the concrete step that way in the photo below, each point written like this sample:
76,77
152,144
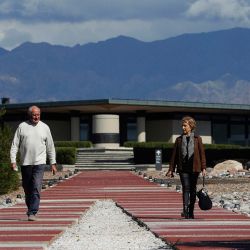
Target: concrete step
105,156
93,154
103,163
105,167
101,158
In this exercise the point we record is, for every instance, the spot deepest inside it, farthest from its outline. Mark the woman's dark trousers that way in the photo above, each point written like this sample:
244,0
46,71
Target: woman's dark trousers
189,182
32,177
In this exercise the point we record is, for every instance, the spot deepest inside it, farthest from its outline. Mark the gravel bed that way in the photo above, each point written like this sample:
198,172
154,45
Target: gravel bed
104,226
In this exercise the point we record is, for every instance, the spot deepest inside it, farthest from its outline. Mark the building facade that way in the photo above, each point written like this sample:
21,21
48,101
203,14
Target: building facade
111,122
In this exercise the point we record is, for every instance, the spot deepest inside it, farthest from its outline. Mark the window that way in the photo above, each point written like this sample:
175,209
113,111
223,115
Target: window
220,133
131,131
237,134
84,129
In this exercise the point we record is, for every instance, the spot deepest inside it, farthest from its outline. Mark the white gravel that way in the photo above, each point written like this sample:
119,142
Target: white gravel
106,227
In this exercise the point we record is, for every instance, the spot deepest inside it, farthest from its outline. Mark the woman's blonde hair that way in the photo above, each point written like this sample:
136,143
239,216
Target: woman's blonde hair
190,120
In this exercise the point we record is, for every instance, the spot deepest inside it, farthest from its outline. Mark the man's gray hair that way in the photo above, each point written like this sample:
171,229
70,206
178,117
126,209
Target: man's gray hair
32,108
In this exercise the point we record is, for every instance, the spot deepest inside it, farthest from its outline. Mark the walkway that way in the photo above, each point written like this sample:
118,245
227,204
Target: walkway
152,205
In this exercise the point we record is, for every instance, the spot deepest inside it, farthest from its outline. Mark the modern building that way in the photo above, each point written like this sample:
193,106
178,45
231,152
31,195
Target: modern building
111,122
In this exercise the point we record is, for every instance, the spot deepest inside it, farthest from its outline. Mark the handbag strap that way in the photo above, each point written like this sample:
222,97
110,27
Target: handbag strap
203,181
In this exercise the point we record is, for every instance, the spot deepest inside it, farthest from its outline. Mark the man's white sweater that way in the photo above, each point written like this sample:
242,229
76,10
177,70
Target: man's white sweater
34,143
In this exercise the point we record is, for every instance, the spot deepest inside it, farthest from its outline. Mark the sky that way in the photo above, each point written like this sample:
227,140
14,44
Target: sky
72,22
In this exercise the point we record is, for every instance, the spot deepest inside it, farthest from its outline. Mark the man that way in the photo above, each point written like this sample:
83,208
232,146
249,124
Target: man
34,142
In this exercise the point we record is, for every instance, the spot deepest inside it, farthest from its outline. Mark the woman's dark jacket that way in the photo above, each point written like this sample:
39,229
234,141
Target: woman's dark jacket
199,159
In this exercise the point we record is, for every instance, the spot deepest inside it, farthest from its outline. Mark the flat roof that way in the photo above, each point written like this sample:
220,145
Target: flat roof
129,105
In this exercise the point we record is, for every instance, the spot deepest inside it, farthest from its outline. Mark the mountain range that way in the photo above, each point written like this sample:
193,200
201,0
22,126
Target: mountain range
203,67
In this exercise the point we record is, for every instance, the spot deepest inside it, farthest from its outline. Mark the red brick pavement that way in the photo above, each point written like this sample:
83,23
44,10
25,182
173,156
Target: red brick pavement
156,207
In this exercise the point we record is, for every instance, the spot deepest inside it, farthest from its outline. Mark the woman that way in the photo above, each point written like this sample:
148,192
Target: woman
189,157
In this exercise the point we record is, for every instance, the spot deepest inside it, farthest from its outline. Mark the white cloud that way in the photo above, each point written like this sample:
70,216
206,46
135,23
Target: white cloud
67,33
76,10
73,22
238,10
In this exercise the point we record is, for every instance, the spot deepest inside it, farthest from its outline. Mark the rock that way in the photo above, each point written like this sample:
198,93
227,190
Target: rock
227,168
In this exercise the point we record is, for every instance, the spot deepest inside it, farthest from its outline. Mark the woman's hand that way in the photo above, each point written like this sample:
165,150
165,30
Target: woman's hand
204,172
170,174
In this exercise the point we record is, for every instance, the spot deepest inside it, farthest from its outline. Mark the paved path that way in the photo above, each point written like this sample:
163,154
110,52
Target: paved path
154,206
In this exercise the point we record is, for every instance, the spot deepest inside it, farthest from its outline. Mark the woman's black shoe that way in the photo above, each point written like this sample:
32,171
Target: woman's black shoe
191,215
191,212
186,213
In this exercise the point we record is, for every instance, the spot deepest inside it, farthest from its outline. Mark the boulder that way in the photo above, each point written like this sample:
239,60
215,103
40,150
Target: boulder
229,166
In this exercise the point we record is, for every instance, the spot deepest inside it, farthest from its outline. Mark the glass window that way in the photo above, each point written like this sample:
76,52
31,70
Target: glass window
238,118
131,131
84,131
237,131
220,118
220,133
237,135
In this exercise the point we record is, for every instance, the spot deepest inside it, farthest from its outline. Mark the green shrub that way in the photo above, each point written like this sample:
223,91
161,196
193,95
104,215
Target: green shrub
221,146
66,155
215,155
146,155
9,179
5,143
129,144
144,152
134,144
75,144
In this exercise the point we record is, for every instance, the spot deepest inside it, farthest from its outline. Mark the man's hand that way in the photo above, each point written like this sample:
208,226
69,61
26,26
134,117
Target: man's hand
53,169
170,174
14,167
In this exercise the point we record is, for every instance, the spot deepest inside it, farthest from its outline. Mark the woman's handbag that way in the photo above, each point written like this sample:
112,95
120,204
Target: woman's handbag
205,202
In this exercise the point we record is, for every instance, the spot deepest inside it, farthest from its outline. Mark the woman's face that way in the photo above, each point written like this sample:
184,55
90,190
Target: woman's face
186,128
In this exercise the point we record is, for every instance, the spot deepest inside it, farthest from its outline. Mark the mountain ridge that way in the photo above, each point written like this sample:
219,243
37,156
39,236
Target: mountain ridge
124,67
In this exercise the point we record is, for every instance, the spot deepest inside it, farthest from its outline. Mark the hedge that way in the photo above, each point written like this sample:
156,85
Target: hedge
9,179
144,153
66,155
75,144
133,144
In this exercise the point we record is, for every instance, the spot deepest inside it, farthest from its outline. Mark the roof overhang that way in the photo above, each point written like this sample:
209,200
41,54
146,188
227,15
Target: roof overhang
129,106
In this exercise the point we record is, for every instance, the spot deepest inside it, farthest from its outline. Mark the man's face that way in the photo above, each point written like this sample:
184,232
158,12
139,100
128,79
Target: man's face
35,116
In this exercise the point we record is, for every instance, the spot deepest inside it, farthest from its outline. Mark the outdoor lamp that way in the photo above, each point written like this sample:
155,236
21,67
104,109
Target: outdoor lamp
162,182
8,201
169,184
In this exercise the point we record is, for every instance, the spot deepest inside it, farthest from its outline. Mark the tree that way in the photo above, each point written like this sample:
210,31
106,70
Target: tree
5,139
5,143
9,179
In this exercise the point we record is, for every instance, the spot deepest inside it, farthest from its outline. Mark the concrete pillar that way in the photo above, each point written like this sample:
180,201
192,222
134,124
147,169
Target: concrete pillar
105,131
75,128
141,129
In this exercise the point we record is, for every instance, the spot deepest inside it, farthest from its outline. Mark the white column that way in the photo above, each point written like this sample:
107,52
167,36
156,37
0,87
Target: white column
75,128
141,129
106,131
